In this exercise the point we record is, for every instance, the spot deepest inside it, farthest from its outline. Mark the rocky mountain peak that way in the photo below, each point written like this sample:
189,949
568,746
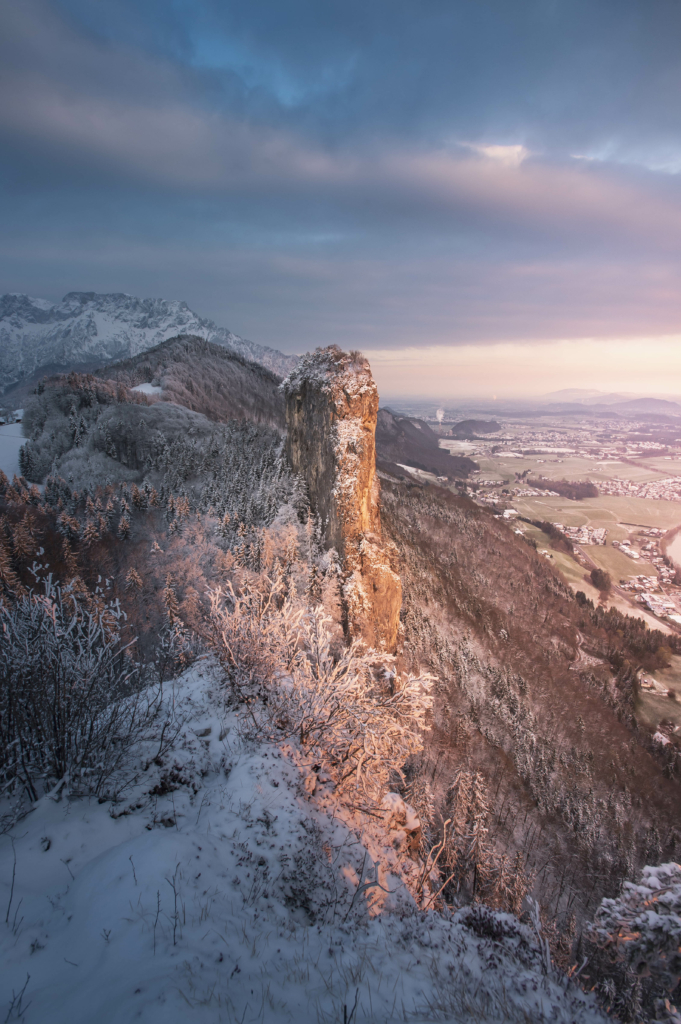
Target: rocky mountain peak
87,329
331,413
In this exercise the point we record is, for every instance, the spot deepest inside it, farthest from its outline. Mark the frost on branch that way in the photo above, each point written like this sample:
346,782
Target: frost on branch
344,704
71,704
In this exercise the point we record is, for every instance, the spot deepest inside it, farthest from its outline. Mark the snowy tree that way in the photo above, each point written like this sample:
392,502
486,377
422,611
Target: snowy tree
90,533
9,581
637,939
133,581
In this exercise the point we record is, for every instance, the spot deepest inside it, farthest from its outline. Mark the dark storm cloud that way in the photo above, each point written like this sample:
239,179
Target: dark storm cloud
391,171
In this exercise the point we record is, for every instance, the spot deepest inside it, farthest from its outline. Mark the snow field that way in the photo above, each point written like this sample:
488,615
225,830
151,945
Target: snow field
11,440
219,890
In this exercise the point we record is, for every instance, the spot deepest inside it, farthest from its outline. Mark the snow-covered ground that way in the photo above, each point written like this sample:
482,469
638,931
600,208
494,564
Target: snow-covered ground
220,889
148,389
11,440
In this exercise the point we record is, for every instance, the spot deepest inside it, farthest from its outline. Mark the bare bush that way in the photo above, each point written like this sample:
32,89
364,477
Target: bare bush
71,704
255,633
344,704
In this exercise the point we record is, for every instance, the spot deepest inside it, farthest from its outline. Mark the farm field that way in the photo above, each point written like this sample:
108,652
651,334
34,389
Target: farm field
605,510
618,564
653,707
576,468
608,558
666,466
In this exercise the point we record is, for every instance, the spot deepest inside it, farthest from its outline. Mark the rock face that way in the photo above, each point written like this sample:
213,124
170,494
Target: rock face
331,411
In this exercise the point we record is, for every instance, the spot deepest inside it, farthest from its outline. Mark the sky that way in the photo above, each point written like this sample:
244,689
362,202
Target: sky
484,196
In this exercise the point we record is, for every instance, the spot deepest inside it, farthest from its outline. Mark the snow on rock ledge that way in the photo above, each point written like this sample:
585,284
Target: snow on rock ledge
331,411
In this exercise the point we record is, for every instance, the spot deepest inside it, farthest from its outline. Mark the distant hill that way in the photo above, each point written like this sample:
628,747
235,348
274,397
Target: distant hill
569,399
205,378
648,405
86,329
471,428
611,399
404,441
584,396
571,395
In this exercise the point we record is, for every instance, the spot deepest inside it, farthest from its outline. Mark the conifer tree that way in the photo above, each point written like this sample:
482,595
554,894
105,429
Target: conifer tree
133,580
9,581
70,561
90,533
170,601
23,542
109,512
26,461
313,589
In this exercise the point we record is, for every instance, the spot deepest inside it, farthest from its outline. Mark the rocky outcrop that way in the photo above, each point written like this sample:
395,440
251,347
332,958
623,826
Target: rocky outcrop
331,411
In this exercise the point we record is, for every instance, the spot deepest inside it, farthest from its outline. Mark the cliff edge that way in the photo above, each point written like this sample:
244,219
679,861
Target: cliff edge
331,413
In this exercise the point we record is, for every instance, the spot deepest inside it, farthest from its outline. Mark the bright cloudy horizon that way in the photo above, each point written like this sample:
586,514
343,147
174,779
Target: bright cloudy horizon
476,188
632,367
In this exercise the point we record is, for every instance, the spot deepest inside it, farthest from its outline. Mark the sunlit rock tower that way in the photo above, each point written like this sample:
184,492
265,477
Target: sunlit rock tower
331,411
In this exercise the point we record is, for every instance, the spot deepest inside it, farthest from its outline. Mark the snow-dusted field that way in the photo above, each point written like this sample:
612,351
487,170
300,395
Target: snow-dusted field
220,890
148,389
11,440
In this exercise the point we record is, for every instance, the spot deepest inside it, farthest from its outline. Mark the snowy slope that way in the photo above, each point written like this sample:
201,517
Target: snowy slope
11,440
220,890
85,328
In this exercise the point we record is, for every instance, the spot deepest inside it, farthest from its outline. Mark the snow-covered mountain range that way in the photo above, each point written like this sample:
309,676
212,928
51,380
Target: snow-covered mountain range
86,328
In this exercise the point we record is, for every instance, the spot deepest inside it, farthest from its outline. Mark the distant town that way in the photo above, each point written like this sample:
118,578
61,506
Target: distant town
610,487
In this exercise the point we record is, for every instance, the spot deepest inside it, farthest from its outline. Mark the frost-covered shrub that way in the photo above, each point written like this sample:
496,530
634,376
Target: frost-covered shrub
344,704
638,944
70,700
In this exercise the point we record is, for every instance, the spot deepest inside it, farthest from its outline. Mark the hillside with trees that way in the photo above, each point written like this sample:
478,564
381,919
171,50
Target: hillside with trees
496,766
537,699
403,440
204,377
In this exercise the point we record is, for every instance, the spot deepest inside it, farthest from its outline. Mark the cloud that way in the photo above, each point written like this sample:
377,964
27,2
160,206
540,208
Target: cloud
508,156
82,104
316,292
391,173
493,190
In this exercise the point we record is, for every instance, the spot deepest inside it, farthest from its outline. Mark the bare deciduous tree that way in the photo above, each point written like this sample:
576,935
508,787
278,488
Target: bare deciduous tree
71,702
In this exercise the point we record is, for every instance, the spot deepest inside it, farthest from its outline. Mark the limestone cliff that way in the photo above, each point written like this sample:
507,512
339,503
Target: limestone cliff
331,411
